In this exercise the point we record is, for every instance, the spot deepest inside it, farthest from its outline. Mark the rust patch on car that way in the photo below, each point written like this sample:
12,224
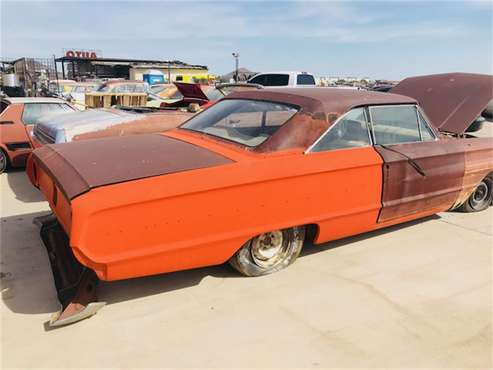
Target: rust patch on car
478,164
82,165
406,191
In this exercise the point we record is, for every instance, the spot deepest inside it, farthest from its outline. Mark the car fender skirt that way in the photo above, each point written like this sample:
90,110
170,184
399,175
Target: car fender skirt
82,165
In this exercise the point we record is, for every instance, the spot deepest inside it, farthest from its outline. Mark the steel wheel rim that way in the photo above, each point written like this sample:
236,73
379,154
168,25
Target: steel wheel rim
269,249
480,194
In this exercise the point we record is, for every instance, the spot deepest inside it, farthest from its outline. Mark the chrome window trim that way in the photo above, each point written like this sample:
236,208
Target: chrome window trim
425,119
310,148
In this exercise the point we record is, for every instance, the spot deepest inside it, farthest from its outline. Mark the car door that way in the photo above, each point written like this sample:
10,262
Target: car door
350,177
421,173
11,128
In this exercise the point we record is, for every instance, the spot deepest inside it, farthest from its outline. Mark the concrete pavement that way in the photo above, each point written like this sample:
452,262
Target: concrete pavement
417,295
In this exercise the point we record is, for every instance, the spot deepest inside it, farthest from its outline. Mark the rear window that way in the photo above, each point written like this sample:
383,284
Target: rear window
246,122
32,112
305,79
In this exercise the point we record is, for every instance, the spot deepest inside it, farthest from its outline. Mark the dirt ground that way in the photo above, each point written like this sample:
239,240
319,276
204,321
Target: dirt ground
417,295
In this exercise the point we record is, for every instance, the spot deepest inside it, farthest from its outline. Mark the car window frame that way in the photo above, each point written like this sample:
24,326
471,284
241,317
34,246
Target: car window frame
426,121
371,133
340,118
416,110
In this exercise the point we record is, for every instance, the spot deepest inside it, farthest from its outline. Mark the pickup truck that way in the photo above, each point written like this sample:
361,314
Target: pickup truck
283,79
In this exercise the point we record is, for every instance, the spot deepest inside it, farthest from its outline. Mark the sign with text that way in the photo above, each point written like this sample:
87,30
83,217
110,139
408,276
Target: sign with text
86,54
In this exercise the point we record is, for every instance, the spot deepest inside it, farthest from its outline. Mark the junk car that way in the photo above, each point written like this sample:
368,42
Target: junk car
121,121
102,122
78,93
123,86
253,177
17,118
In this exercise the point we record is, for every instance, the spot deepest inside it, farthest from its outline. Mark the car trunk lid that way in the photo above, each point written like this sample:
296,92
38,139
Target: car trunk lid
190,90
82,165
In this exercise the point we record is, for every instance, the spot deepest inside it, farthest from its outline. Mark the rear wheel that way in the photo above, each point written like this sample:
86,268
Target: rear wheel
3,161
481,198
269,252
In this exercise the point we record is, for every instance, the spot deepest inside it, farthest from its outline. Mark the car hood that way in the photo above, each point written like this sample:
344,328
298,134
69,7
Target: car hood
189,90
63,127
82,165
452,101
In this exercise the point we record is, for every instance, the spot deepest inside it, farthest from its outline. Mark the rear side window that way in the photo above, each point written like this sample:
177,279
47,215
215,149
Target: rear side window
32,112
351,131
271,80
258,80
276,80
305,79
395,124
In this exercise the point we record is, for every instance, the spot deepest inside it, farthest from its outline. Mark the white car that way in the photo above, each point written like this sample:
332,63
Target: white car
78,93
283,79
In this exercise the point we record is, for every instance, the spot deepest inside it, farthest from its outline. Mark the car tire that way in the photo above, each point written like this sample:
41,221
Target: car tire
269,252
481,198
488,112
476,125
4,161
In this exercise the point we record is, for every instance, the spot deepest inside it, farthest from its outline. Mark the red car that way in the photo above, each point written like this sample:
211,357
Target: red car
17,118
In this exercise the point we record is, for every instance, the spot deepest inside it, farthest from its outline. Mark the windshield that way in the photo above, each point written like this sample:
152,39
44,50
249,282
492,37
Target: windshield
247,122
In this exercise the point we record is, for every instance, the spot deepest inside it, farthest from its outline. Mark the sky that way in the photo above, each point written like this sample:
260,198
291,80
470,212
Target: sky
376,39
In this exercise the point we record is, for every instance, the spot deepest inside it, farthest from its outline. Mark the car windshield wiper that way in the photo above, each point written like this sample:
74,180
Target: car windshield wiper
411,161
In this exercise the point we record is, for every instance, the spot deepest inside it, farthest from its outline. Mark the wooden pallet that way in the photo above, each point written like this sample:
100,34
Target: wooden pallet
108,99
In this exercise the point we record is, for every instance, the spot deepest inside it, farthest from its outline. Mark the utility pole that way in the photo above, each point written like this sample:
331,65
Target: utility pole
237,57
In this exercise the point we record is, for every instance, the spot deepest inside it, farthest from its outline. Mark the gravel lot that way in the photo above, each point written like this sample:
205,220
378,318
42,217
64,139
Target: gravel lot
417,295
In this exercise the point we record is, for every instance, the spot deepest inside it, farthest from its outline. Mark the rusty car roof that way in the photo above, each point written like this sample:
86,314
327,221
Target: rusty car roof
330,100
452,101
319,109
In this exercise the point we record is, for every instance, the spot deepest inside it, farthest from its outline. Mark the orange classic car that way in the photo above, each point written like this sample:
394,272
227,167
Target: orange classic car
253,177
17,118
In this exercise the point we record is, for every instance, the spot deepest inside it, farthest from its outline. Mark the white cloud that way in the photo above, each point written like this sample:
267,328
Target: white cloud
333,21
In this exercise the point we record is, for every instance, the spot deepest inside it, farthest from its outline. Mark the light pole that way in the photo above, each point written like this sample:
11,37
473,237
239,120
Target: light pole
236,56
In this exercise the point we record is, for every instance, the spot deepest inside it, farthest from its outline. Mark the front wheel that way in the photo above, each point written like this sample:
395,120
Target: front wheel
269,252
3,161
481,198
